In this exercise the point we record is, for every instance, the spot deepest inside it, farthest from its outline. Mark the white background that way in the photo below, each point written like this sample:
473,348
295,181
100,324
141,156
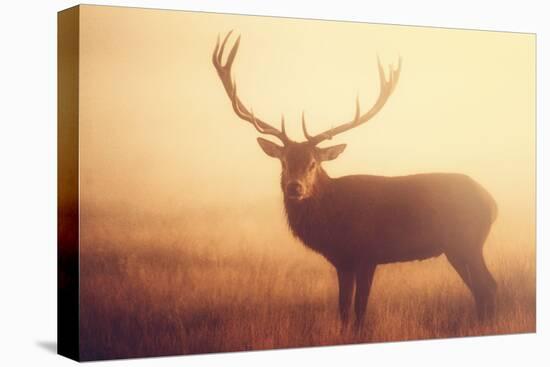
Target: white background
28,183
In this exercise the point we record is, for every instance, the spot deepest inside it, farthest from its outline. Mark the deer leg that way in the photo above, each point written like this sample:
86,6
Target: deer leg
346,282
479,280
364,277
487,290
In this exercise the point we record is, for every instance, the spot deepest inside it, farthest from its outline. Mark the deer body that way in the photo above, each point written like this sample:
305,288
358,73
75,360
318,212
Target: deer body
378,219
358,222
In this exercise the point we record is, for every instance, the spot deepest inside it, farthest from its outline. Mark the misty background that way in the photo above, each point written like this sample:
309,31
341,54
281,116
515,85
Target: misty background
158,135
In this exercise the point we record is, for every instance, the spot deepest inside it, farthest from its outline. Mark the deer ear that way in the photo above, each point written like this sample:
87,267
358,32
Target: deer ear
270,148
330,153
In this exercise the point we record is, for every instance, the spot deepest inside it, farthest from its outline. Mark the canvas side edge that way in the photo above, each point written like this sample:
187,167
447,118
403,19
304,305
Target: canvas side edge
67,180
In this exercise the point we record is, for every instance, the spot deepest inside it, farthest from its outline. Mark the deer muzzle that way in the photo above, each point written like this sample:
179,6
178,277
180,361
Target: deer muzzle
295,190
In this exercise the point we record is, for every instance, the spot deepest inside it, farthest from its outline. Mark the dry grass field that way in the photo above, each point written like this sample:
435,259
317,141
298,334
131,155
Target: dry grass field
212,282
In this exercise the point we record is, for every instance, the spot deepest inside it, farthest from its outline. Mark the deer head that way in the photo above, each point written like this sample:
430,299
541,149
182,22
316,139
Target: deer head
300,161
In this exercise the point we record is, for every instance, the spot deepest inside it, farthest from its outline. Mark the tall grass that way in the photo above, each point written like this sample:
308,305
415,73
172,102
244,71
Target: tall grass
213,282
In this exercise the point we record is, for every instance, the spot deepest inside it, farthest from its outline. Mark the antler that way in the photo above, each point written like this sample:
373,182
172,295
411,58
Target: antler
224,72
386,89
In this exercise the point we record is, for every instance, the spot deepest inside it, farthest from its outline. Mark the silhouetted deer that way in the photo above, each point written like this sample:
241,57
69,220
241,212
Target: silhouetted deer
357,222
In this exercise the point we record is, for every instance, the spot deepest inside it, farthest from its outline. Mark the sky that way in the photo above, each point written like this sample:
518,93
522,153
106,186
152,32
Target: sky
157,130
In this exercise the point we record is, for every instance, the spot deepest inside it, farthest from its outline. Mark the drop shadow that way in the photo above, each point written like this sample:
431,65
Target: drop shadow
50,346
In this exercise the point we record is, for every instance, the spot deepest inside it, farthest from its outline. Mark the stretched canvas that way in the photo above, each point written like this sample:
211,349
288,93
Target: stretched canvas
235,183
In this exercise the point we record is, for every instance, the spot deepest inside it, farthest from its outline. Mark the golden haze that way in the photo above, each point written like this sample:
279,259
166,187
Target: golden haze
157,128
175,190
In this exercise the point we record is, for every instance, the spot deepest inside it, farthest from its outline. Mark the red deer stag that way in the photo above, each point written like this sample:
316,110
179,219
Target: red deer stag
360,221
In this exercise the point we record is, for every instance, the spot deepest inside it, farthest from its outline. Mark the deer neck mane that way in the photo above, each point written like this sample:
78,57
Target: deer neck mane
306,215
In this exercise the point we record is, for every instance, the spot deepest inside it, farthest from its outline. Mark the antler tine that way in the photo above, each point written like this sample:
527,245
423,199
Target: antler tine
386,89
255,123
325,136
396,73
232,53
234,100
304,128
220,54
215,53
357,109
264,130
230,86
